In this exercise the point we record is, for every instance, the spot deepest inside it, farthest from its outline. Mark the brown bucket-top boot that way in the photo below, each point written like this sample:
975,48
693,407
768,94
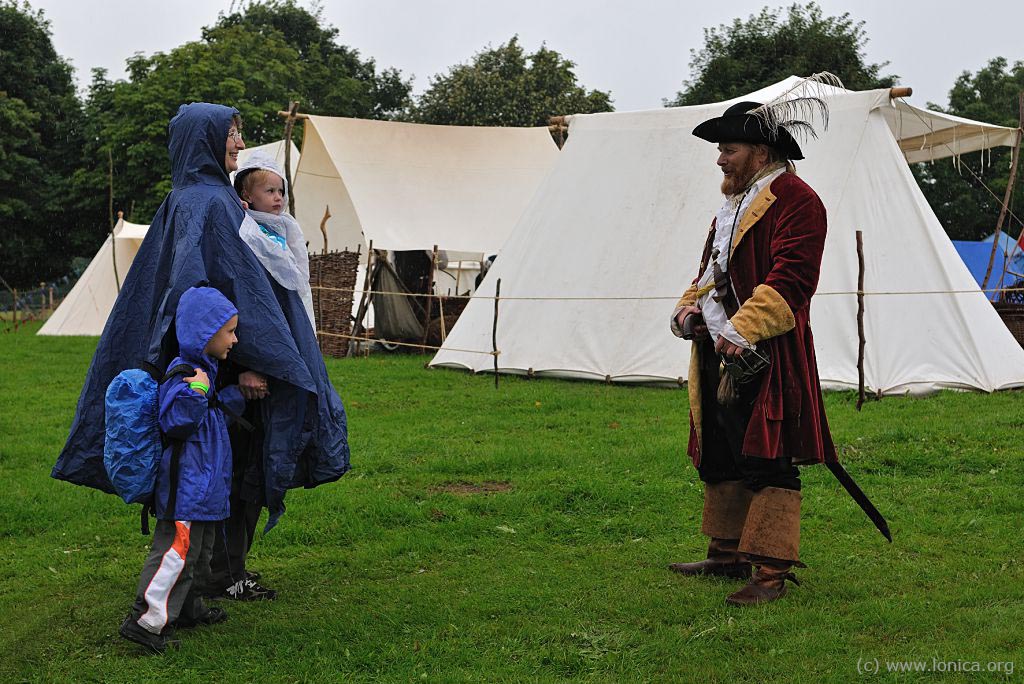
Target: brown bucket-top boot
725,511
771,538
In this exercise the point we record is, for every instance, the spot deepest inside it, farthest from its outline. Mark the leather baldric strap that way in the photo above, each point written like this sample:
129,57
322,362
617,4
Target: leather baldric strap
723,288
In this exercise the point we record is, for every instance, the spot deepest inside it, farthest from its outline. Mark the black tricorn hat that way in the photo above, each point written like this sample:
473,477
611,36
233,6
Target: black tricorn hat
738,125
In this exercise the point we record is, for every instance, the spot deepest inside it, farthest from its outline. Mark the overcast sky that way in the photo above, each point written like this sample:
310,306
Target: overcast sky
637,49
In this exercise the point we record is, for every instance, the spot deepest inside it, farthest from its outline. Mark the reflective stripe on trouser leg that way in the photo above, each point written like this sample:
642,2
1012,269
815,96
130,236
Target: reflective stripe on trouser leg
158,592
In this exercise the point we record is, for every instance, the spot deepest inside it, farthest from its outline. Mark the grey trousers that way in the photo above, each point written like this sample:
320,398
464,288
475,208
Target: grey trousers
179,559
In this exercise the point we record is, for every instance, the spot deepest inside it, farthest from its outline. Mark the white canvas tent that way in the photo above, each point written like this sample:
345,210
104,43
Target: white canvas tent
86,307
625,215
412,186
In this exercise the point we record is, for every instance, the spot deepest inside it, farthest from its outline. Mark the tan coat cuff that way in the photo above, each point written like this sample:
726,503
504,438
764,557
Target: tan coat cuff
689,297
766,314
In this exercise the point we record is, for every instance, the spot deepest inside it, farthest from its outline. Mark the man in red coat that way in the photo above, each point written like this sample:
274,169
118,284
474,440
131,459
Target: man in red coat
750,306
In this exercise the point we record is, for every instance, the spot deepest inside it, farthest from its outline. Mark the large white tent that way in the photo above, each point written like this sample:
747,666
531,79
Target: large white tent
86,307
412,186
624,217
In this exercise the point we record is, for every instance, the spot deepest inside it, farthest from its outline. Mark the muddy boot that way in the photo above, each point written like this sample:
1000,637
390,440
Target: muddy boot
771,539
725,511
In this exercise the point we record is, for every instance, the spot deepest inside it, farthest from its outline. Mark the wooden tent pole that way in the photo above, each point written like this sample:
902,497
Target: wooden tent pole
558,127
1009,190
120,214
494,331
860,319
289,123
430,296
364,298
114,252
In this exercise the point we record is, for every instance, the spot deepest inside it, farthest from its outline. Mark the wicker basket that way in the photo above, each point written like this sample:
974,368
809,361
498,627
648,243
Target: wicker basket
1013,317
332,277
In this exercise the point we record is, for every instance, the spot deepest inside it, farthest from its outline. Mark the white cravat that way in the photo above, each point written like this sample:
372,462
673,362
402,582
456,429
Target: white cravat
725,226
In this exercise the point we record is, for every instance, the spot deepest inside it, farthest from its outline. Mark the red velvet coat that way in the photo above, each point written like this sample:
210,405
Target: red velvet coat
777,250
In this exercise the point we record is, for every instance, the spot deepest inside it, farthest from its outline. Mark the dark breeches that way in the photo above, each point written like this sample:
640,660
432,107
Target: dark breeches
723,430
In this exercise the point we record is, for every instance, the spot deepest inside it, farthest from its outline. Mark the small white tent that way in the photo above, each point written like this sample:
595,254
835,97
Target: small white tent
625,215
86,307
412,186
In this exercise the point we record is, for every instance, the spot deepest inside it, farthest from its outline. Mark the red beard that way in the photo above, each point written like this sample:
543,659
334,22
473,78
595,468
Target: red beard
737,181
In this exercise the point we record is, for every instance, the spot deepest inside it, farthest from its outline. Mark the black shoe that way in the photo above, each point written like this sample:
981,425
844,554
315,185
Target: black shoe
154,643
248,590
214,615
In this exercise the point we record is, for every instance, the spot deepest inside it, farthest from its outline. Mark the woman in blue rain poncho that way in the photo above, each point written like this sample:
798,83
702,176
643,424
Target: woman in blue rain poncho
194,240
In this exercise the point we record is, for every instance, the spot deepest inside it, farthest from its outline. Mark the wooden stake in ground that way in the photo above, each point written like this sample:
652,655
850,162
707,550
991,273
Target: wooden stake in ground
494,331
860,319
440,307
1009,190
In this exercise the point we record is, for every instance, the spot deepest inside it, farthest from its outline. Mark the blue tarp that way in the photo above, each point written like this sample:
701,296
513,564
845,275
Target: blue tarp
193,240
977,254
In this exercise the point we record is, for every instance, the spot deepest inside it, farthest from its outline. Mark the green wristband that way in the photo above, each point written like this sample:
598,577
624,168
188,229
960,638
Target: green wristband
199,386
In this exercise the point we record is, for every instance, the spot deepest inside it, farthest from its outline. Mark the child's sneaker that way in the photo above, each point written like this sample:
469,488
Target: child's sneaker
248,590
213,615
154,643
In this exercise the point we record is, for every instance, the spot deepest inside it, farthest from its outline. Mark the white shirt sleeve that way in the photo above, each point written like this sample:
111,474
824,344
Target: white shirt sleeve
729,333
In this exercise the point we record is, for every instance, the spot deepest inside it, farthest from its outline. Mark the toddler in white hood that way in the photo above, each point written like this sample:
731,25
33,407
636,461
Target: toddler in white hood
272,234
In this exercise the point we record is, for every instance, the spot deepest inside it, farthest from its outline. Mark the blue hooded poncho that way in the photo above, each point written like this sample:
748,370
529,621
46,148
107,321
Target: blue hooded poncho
193,240
198,431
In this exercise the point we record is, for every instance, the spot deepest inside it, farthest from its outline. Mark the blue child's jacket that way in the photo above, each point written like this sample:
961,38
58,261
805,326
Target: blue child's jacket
186,418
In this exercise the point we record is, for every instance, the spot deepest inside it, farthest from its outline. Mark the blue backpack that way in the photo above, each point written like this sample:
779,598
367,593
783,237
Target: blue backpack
134,444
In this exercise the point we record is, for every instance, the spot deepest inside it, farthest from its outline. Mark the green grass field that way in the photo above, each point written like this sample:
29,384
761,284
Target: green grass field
401,572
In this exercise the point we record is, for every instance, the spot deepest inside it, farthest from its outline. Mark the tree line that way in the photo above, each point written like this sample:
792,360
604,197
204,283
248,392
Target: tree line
61,152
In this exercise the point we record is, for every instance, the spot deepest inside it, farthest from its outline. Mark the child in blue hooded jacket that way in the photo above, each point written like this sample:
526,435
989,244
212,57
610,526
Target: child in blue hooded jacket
194,423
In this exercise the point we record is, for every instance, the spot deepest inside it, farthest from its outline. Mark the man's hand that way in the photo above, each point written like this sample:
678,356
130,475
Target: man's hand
727,348
200,376
253,385
700,331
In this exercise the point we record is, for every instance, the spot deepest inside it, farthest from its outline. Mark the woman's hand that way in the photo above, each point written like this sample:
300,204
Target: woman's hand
253,385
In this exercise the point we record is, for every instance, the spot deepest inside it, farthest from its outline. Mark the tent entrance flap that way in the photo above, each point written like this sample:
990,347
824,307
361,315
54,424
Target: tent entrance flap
397,315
